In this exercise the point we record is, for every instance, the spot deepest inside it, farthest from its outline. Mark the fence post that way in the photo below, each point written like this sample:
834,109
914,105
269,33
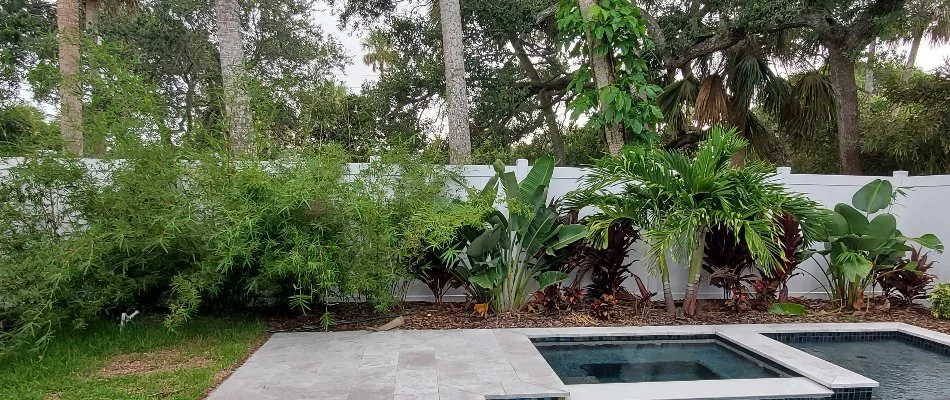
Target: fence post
782,174
898,179
521,168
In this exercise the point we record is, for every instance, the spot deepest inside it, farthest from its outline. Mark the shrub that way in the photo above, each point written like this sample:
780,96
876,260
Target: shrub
940,300
908,280
158,234
857,245
498,262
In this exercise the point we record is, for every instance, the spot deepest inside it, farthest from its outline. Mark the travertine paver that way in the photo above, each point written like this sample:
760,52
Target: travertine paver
504,364
394,365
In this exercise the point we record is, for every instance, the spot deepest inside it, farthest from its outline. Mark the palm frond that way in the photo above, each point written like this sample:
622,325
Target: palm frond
712,101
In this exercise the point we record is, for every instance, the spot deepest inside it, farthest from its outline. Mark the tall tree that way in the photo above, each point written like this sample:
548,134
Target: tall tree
70,120
456,92
236,101
603,70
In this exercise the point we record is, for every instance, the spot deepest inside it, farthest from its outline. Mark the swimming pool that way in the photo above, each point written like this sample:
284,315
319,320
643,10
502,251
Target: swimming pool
906,366
595,360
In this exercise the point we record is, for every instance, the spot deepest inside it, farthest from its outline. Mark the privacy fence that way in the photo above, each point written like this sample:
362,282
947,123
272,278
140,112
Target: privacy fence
924,208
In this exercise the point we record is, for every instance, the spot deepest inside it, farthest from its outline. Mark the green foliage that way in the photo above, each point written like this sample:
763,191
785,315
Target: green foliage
940,300
22,127
65,367
164,235
675,199
787,309
857,244
498,262
617,29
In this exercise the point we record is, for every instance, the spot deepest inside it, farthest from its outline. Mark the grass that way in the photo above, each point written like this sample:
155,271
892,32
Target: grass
144,361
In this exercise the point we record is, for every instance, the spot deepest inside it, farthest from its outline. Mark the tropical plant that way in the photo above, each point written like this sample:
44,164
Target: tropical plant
857,245
515,248
795,251
675,199
606,267
908,280
727,259
940,300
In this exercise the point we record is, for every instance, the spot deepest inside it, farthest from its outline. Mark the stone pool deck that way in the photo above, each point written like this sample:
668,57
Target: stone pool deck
504,364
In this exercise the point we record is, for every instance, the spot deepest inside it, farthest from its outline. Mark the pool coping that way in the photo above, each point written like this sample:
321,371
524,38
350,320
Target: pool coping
751,338
503,363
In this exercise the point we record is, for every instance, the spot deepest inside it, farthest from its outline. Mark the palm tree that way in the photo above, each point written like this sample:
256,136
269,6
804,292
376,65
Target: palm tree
456,93
70,120
676,199
378,48
927,18
236,101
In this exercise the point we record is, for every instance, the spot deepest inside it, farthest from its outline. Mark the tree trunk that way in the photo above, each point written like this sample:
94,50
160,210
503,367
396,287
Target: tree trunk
70,118
236,102
912,56
869,78
846,110
456,93
92,14
695,271
667,288
545,100
602,68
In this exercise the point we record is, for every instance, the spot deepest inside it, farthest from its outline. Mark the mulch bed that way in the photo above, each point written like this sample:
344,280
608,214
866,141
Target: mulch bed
419,315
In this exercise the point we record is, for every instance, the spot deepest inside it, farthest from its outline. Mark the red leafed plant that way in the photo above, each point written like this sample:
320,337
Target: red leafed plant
602,307
793,255
908,280
555,299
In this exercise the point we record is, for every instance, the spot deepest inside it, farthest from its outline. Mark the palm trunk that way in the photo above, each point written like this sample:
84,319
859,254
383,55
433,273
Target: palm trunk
846,109
912,56
869,79
602,68
693,274
70,118
456,93
667,288
236,102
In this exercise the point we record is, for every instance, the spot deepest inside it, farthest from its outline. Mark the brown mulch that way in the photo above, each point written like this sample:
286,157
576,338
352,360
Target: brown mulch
420,315
151,362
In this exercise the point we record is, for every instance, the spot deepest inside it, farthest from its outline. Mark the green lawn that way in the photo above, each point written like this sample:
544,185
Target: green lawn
98,362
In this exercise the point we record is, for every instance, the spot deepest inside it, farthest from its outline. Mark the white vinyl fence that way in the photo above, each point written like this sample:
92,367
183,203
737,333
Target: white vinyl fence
924,209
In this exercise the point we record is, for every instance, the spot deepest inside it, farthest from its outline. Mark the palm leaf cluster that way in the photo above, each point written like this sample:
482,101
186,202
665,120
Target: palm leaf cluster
739,88
675,199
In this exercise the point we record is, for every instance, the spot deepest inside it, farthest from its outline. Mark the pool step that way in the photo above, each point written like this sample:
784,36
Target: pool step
731,389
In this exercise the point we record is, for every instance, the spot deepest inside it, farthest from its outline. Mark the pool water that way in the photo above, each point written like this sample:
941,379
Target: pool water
586,362
904,371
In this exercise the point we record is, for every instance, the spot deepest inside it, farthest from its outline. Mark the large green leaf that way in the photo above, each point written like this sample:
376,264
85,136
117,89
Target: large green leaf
510,182
853,266
539,175
787,309
485,242
929,241
566,235
857,221
484,281
874,196
879,232
549,278
837,225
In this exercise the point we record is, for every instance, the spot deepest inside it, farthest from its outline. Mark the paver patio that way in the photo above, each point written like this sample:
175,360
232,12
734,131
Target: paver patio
394,365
